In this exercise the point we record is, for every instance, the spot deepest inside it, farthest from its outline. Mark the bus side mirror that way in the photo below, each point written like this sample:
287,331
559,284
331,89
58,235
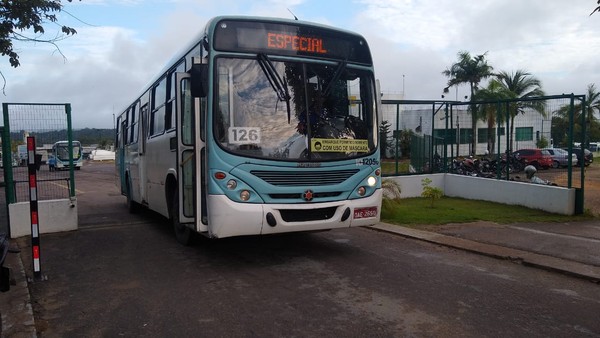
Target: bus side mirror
199,80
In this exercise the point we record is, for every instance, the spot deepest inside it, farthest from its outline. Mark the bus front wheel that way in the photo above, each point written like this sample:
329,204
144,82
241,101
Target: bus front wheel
183,234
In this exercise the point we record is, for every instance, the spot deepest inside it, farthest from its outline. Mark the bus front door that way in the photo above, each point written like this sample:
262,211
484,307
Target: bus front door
189,145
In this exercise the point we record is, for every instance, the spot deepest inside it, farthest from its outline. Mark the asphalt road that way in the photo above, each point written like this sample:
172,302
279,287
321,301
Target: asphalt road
125,275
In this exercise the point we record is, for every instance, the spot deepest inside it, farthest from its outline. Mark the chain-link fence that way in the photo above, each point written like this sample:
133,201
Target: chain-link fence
48,124
488,139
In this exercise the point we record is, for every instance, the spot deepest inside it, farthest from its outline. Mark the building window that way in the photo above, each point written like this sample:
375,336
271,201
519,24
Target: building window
466,135
482,135
450,135
524,134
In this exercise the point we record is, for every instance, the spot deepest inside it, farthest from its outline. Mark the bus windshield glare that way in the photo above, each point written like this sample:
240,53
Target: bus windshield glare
294,111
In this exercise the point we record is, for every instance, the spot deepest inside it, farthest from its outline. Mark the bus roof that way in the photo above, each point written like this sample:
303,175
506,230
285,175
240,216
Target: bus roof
209,28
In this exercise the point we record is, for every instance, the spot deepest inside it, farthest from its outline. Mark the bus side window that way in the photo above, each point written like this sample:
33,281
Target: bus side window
171,97
136,122
118,133
144,120
126,128
202,118
159,94
132,124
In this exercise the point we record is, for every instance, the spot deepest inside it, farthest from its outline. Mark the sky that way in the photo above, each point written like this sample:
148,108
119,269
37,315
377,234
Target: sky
121,45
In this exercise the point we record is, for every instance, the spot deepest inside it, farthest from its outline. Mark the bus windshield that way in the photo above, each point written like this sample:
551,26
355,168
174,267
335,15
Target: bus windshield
62,150
294,111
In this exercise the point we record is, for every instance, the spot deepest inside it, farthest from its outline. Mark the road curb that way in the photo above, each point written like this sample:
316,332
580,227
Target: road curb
572,268
15,308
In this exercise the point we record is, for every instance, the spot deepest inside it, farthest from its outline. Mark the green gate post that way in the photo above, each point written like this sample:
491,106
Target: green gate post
580,194
6,149
70,139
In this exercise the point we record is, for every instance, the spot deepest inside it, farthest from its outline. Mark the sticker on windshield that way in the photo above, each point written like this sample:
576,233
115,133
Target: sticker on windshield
325,145
244,135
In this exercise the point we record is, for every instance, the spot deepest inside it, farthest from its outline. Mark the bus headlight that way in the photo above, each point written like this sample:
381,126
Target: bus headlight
245,195
361,191
231,184
371,181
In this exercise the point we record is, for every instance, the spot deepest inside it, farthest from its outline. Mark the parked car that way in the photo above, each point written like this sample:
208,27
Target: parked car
588,156
536,157
560,157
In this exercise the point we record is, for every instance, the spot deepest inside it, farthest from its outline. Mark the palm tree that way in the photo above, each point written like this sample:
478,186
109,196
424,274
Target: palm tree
469,69
488,111
521,85
593,106
592,122
593,103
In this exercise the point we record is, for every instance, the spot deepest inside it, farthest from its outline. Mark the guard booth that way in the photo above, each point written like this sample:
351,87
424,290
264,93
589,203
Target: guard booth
57,203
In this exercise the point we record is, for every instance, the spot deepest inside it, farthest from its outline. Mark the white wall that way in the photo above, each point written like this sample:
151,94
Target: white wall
411,186
53,216
553,199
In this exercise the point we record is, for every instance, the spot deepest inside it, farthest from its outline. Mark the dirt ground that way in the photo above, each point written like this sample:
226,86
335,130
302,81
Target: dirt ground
591,185
592,188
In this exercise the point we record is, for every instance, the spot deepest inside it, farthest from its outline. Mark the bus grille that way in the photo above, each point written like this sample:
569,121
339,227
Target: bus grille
295,178
307,215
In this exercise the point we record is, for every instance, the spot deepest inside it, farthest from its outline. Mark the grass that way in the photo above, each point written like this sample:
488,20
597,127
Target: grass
418,211
388,167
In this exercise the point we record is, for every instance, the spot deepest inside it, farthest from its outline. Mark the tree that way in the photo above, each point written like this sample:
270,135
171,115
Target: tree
469,69
433,193
597,9
521,85
542,142
561,121
404,139
489,110
20,16
385,139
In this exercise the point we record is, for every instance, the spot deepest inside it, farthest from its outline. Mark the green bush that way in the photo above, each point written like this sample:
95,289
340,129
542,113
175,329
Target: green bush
433,193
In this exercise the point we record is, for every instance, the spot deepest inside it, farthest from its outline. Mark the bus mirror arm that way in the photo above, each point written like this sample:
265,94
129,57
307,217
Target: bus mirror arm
199,80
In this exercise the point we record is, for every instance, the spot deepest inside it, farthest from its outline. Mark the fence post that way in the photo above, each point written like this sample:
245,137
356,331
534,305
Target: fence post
70,139
6,148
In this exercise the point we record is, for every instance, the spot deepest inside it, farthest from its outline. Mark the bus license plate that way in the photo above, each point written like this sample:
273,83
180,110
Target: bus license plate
365,212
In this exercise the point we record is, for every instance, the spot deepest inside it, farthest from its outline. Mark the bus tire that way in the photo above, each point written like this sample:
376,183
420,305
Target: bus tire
132,206
183,234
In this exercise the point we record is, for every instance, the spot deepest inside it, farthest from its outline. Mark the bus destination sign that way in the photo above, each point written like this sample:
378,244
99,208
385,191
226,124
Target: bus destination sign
290,39
295,43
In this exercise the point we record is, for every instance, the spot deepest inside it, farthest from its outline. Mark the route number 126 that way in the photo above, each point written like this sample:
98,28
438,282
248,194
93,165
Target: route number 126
244,135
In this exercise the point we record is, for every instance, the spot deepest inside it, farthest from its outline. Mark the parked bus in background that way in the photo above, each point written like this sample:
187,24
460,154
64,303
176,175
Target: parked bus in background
260,126
58,158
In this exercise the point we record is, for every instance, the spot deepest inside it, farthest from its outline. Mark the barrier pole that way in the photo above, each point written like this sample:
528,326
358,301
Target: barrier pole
33,207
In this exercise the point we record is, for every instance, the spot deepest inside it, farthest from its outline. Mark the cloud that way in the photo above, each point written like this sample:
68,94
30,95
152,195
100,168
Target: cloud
102,64
554,41
412,42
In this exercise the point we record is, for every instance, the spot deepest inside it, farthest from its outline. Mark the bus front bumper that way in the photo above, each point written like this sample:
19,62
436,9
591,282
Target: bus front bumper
228,218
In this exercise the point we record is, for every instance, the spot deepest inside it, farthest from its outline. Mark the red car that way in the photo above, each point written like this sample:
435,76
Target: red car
538,158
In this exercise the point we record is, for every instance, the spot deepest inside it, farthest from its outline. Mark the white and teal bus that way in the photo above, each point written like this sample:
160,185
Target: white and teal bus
58,158
260,126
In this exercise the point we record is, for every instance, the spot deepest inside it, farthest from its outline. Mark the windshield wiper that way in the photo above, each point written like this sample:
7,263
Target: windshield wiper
336,76
279,85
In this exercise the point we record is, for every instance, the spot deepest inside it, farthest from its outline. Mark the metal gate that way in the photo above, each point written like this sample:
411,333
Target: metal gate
438,136
48,123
